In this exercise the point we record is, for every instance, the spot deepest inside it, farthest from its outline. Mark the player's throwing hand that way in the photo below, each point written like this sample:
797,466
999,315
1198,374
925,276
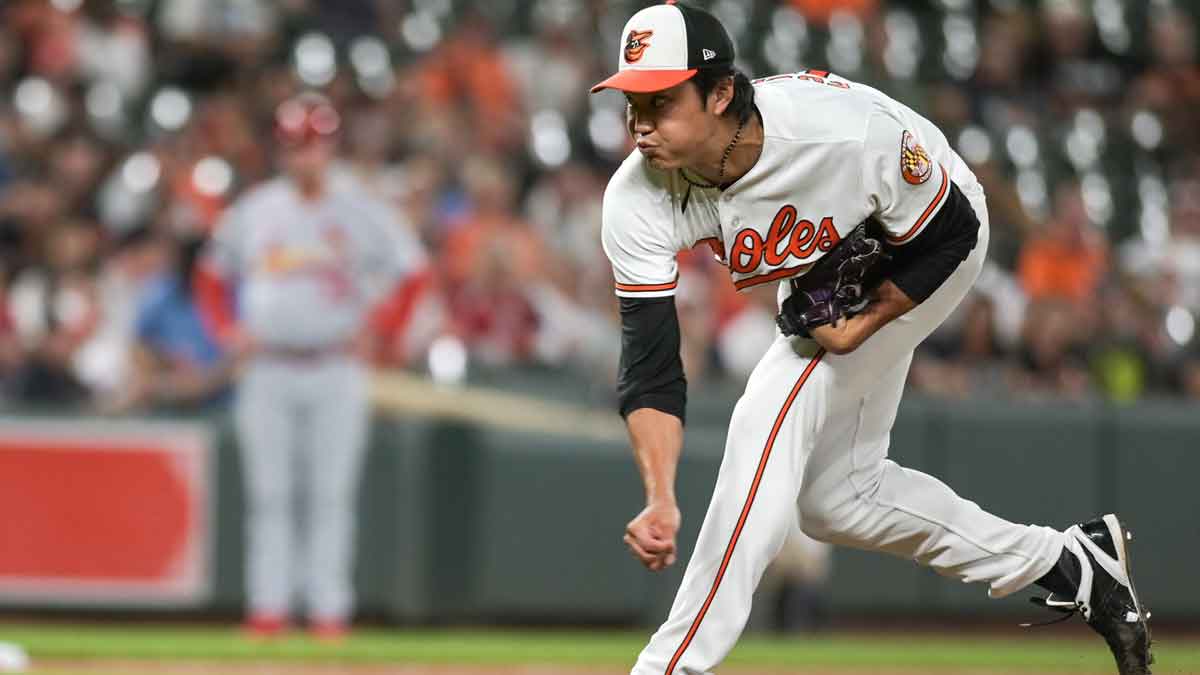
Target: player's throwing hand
651,535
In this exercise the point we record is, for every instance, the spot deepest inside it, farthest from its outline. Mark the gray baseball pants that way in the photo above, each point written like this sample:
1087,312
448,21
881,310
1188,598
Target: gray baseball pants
302,427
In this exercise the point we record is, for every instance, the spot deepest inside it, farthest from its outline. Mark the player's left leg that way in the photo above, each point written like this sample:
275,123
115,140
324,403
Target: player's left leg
854,496
336,445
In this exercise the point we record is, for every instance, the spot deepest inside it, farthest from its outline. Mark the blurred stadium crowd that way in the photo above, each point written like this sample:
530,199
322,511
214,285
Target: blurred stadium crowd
127,126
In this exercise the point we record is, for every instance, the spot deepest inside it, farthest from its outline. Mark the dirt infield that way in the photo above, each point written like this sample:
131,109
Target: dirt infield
248,668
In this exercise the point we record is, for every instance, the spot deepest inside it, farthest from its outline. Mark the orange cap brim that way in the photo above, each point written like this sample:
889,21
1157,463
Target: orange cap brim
644,81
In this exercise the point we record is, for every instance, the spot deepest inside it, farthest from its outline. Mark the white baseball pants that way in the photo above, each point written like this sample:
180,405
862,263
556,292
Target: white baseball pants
301,427
809,439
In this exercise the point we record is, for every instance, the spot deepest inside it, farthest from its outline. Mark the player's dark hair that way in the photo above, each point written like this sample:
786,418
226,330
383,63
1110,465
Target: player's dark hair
742,105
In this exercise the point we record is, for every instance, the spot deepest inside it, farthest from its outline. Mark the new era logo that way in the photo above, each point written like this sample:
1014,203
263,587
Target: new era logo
709,54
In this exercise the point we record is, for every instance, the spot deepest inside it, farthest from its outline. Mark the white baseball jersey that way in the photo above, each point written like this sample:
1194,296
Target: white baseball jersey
808,439
308,272
834,153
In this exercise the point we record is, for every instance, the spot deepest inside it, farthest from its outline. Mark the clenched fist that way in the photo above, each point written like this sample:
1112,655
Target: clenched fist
651,535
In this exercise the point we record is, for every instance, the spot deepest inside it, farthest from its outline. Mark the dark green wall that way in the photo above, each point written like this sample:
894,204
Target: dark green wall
523,526
460,522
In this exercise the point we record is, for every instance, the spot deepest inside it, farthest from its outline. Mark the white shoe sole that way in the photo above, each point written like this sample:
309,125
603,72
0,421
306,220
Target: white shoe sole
1121,538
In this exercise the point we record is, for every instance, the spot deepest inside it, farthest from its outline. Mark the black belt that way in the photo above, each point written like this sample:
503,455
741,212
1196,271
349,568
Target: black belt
306,353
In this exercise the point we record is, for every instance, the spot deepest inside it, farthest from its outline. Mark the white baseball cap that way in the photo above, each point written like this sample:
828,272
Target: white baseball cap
664,45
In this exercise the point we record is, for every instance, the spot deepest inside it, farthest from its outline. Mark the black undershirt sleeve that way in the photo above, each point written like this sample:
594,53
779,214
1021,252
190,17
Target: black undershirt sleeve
651,371
923,264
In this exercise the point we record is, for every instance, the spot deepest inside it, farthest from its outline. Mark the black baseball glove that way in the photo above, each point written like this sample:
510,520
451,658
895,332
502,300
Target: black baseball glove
836,286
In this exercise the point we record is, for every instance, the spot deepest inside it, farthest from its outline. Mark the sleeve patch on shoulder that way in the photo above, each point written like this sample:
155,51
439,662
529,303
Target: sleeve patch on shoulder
915,165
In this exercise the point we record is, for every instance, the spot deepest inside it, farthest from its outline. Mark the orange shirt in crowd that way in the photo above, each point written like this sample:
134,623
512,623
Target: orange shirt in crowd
468,251
819,11
1052,268
465,75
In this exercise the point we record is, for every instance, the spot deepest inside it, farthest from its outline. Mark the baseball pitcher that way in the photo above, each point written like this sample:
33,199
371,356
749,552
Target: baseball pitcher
871,227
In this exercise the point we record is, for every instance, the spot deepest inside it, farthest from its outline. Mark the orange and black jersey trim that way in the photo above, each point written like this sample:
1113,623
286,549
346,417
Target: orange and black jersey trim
648,288
773,275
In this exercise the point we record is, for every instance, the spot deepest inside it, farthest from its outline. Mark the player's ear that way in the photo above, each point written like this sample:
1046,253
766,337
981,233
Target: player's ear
721,96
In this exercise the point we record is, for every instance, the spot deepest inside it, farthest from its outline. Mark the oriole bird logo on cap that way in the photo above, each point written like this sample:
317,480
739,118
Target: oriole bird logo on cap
635,44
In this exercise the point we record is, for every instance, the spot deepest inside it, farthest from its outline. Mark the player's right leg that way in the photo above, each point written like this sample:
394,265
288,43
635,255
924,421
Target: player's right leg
753,507
265,428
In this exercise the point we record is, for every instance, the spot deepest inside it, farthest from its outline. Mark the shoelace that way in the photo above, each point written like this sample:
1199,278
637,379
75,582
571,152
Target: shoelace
1068,610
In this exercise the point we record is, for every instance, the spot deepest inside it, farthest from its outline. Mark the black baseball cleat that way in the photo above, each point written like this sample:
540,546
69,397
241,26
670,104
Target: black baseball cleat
1105,593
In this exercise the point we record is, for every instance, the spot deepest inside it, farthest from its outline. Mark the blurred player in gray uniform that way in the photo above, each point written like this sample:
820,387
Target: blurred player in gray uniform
309,256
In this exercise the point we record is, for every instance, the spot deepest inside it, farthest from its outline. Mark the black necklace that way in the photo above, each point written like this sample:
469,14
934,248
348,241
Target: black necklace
737,136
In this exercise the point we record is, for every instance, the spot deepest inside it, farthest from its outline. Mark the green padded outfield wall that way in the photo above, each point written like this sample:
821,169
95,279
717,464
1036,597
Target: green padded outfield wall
524,526
463,521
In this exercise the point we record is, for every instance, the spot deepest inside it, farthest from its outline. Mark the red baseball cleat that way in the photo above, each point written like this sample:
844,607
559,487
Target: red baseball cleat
329,631
265,626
